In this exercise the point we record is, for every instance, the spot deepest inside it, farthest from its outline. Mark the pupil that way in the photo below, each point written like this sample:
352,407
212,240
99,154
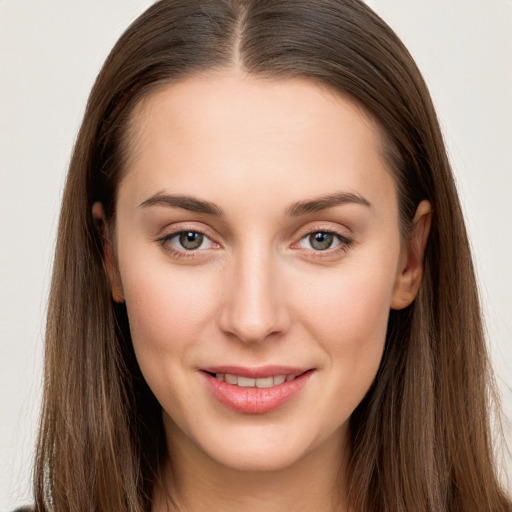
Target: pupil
190,240
321,241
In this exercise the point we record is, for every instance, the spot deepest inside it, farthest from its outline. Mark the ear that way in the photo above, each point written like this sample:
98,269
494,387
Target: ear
109,258
410,270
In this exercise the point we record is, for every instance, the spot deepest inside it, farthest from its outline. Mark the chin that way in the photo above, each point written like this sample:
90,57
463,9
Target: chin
270,447
259,458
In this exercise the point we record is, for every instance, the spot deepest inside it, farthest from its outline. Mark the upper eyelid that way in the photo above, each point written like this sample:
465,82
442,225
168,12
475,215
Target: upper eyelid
166,233
323,228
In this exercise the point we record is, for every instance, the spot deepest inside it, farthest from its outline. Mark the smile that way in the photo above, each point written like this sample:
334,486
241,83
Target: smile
247,382
256,391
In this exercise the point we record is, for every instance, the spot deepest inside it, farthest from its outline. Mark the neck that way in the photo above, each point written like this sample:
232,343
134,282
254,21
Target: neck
197,483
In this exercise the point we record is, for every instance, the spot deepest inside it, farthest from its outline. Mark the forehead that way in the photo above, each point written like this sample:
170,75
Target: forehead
246,132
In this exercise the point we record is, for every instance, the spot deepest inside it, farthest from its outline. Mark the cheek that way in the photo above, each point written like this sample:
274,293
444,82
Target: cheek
166,308
351,307
348,315
167,312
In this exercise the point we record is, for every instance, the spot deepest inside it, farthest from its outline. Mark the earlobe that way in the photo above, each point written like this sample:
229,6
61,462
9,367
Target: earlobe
410,271
109,258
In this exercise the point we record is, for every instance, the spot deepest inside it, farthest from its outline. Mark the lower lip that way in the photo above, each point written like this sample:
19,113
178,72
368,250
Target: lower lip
255,400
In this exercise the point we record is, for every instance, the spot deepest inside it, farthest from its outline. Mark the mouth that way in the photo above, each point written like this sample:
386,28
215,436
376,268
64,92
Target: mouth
248,382
255,391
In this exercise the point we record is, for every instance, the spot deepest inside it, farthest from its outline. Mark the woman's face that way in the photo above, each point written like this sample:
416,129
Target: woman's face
258,252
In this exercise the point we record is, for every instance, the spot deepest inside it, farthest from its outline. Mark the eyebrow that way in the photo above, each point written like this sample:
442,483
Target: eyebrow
189,203
324,202
295,210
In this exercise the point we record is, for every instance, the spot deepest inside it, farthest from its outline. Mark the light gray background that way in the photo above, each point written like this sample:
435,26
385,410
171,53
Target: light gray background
50,53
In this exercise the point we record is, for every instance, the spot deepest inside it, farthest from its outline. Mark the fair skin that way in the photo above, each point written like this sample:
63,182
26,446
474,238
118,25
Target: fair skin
260,281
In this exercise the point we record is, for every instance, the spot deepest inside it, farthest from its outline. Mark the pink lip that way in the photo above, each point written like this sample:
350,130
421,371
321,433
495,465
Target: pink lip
255,400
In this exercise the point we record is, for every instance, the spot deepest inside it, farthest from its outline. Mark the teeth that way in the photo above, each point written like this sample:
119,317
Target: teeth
263,383
279,379
246,382
231,379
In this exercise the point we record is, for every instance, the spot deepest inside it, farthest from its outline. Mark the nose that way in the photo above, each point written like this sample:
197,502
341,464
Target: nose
254,308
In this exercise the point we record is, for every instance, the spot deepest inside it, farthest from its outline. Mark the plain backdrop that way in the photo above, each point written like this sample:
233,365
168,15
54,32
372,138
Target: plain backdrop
50,53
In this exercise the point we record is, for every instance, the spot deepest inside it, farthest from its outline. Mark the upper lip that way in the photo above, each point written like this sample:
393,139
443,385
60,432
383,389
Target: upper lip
258,372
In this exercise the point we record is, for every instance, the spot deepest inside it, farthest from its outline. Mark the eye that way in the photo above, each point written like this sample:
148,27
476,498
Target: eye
186,241
323,241
190,240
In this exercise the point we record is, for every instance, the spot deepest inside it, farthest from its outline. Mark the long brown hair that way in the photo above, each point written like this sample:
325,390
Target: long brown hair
421,436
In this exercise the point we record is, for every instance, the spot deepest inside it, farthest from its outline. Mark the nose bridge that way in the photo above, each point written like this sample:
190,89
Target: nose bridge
253,308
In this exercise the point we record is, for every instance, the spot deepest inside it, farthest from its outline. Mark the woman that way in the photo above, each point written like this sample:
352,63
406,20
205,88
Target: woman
263,292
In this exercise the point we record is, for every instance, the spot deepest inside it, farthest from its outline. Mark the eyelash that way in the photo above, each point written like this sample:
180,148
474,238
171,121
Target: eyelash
343,243
183,253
